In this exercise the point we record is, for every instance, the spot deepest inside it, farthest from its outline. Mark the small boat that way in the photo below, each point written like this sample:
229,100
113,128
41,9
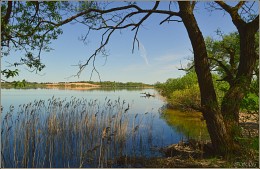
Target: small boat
147,95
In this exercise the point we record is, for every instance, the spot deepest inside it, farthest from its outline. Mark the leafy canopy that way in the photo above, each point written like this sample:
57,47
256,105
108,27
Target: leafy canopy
27,29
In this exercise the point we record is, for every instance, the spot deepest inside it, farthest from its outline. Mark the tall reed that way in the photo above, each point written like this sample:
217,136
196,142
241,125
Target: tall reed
72,133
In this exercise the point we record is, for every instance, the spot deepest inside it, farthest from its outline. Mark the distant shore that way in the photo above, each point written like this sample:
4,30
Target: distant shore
73,85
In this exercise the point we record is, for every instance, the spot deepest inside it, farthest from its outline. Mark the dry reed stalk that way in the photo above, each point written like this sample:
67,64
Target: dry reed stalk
71,131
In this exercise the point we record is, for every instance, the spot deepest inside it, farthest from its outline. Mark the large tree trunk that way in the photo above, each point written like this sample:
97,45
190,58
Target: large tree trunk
221,140
248,57
233,98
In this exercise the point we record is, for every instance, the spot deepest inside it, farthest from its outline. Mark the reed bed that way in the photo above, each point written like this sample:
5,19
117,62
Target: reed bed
73,132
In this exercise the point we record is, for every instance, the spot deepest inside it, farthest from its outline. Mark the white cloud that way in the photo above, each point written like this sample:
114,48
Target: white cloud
143,53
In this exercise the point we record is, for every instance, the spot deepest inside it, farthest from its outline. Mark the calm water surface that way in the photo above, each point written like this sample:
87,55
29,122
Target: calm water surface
138,104
144,110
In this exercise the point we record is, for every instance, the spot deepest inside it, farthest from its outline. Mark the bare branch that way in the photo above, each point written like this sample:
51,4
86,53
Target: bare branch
169,20
82,67
250,8
233,12
186,69
224,6
94,69
140,22
239,5
139,10
135,39
165,19
93,10
149,13
119,24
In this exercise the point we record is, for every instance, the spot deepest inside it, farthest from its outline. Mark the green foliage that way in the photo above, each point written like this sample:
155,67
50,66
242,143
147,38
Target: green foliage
250,151
172,85
10,73
255,143
224,54
184,92
19,84
250,102
186,99
181,92
119,84
224,59
254,88
105,85
221,87
28,27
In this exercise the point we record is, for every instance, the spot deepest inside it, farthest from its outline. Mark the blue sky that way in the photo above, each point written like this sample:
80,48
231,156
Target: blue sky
162,49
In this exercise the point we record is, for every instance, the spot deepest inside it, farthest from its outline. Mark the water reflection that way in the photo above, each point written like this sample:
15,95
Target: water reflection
191,124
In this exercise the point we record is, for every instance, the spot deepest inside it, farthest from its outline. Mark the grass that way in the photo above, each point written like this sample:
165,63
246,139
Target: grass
72,133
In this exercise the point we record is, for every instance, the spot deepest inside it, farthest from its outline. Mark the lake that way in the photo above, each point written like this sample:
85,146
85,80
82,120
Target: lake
88,128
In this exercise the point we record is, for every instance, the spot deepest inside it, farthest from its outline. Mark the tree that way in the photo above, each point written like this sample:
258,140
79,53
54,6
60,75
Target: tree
220,121
229,113
224,55
28,27
224,60
25,28
247,30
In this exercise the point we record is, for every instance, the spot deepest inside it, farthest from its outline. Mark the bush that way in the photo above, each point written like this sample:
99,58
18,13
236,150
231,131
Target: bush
184,92
172,85
186,99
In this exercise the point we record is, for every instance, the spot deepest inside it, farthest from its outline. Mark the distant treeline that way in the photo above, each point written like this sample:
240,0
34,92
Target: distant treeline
22,84
104,84
119,84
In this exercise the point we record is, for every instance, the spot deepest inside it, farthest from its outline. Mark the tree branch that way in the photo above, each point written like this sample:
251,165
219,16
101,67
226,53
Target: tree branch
169,20
148,14
36,10
6,18
239,5
120,24
224,6
233,12
139,10
8,13
135,39
254,24
230,76
193,5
